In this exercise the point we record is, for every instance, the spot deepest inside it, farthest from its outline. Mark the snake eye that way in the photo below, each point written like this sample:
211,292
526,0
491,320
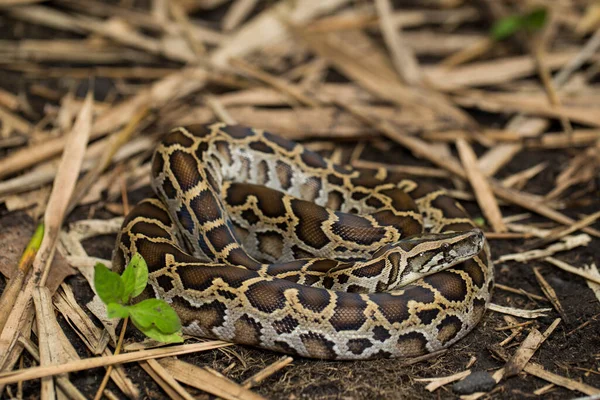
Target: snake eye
445,246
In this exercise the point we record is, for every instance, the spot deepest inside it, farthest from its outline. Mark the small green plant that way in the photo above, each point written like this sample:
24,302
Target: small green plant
530,22
154,317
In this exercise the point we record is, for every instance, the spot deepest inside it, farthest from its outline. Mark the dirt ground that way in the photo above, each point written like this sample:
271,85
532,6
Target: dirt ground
572,350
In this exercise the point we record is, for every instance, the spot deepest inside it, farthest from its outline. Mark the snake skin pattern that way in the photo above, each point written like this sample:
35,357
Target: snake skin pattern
256,240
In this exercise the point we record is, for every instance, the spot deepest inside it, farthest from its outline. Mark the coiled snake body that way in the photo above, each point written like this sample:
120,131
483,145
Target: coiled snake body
255,239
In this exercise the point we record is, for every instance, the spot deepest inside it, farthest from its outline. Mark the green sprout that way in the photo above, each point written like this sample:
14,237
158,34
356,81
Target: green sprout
530,22
154,317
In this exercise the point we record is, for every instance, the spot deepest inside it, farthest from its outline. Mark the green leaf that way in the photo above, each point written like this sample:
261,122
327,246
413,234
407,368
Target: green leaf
479,221
153,333
506,27
116,310
157,313
108,284
535,20
135,277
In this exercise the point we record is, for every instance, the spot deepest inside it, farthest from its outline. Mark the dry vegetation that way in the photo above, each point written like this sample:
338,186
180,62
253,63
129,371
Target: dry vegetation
511,127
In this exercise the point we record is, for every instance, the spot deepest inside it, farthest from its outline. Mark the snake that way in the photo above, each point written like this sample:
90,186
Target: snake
257,240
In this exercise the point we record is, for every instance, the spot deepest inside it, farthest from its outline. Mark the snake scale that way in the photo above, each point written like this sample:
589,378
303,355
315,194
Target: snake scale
256,240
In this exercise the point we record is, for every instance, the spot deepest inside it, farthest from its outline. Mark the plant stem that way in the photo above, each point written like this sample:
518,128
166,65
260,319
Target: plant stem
110,367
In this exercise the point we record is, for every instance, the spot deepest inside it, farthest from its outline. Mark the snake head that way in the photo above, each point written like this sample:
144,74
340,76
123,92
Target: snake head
433,252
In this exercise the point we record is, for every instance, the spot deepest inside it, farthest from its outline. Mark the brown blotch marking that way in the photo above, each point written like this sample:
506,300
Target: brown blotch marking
419,294
312,159
356,289
328,282
154,253
448,328
227,294
169,189
247,330
178,137
381,334
118,260
394,308
250,216
262,172
237,256
412,344
354,228
452,209
374,202
366,179
342,169
427,316
342,279
322,265
314,299
300,253
212,181
478,309
199,130
406,225
283,347
149,229
187,312
281,268
292,278
184,216
450,285
210,315
382,354
240,233
148,209
261,147
356,195
220,237
401,201
371,269
270,243
158,164
185,170
279,141
165,282
285,325
318,346
206,207
395,263
284,174
237,131
224,150
310,280
267,296
201,277
310,189
269,201
474,271
349,313
201,151
334,200
358,346
335,180
383,249
310,219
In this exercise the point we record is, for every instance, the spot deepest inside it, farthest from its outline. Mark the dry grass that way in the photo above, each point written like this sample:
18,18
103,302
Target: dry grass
88,87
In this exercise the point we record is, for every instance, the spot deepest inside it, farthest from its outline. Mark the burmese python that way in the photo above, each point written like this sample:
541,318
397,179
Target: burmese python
256,240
